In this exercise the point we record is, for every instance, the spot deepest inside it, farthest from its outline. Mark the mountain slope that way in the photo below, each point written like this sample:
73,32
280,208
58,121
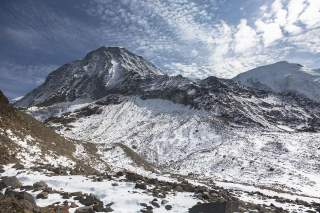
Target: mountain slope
27,141
283,77
210,129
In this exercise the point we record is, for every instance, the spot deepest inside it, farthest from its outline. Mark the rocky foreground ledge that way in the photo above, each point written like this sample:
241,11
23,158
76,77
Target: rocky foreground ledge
44,191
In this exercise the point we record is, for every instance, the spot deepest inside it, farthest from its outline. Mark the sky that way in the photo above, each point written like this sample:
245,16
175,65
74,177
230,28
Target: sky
195,38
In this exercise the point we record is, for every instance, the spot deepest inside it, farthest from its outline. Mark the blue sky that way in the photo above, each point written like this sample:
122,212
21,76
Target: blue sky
195,38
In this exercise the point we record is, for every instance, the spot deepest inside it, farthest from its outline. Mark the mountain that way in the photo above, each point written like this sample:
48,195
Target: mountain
284,77
101,72
43,172
116,71
210,130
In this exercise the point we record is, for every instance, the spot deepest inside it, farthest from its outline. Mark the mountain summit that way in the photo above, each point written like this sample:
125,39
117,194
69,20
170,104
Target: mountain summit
99,72
283,77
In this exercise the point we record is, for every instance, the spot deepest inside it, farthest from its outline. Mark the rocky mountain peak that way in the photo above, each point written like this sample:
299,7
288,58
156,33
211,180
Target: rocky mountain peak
101,71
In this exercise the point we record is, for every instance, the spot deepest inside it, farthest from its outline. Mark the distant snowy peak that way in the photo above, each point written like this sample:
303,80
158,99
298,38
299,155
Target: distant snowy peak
99,72
284,77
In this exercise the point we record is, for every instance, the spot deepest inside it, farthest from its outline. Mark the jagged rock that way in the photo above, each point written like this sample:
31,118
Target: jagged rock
11,182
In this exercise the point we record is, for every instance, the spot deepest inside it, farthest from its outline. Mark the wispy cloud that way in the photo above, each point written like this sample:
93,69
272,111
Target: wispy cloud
203,45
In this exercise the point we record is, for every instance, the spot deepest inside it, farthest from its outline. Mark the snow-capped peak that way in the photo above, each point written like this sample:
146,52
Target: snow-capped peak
283,77
100,71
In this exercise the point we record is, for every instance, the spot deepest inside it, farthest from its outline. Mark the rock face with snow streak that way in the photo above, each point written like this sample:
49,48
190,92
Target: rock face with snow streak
284,77
101,72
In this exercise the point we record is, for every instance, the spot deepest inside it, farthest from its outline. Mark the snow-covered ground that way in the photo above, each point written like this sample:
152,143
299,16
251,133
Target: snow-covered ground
124,195
182,140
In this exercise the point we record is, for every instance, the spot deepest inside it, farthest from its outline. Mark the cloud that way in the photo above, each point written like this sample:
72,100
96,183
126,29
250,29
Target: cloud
245,37
195,38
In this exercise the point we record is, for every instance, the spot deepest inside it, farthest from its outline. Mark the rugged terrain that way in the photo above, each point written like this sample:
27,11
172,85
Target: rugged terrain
260,145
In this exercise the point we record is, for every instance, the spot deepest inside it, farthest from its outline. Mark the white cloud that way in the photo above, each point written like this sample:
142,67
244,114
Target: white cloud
245,37
311,15
271,32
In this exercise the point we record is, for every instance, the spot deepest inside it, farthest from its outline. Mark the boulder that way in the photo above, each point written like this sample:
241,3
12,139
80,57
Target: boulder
155,204
92,200
168,207
11,182
164,202
178,188
216,207
41,185
86,209
42,195
14,199
20,196
141,186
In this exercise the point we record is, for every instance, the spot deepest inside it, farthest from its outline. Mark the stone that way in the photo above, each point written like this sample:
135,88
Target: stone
41,185
24,199
86,209
42,195
216,207
12,182
163,202
168,207
155,204
18,166
141,186
178,188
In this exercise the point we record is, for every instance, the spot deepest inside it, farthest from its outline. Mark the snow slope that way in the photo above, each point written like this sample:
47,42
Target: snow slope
183,140
284,77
